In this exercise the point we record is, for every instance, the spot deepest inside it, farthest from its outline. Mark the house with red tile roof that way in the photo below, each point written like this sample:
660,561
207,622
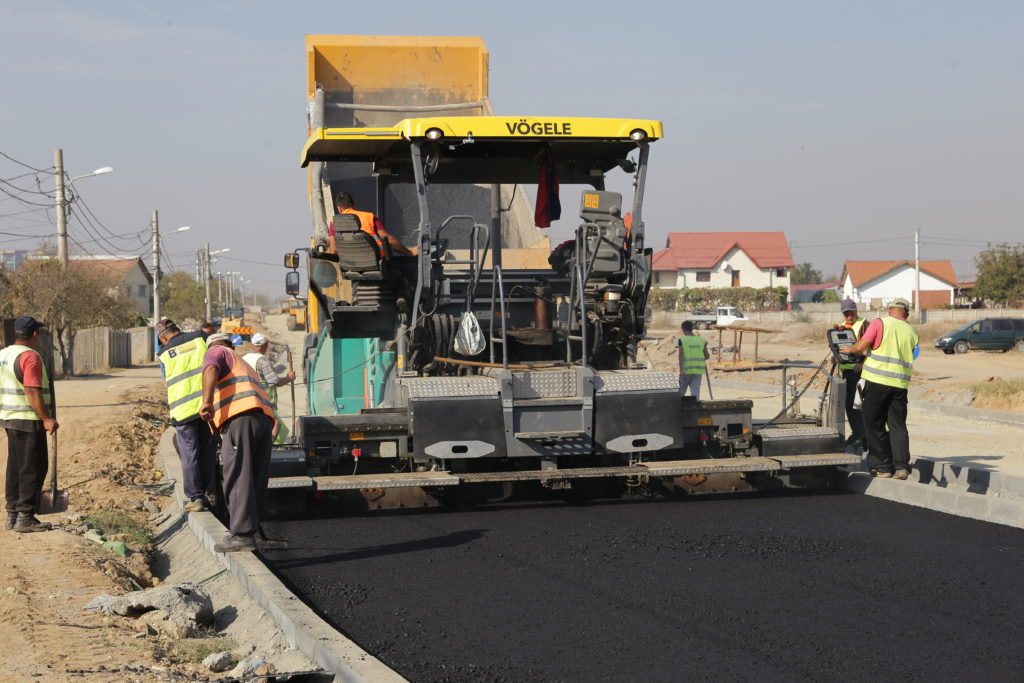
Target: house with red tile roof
723,259
130,274
876,283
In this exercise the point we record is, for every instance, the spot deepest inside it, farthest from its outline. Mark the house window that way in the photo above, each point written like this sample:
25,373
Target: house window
142,291
780,272
704,276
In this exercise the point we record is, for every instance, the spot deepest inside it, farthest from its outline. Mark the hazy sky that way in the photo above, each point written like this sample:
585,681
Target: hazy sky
840,123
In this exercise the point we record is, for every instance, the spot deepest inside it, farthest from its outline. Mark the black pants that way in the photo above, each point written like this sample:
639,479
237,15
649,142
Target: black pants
245,454
853,416
886,406
27,464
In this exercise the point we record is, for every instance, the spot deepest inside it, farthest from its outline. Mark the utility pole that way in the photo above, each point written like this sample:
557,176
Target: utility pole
206,278
62,210
156,267
917,274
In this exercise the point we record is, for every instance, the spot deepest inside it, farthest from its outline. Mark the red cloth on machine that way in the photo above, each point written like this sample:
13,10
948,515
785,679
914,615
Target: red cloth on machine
549,208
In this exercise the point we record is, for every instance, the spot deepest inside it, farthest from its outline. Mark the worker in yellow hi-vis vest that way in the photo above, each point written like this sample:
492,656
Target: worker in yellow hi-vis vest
891,345
693,356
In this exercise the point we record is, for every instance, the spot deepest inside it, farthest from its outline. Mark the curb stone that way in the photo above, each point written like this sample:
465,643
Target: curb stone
951,488
302,627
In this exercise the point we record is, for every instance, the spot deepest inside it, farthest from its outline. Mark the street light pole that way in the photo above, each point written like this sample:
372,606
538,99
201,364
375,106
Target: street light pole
62,203
156,268
206,279
62,208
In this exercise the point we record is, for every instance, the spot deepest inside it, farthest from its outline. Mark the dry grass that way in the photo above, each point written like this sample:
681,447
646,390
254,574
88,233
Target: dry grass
999,389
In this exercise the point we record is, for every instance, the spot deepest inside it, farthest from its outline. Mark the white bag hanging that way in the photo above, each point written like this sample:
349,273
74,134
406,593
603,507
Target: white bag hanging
469,340
857,398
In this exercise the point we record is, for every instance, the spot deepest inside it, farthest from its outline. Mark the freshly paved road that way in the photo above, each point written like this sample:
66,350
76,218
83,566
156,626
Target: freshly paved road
832,586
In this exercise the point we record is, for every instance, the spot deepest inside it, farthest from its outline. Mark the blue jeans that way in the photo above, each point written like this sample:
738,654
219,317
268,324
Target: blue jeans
197,449
691,382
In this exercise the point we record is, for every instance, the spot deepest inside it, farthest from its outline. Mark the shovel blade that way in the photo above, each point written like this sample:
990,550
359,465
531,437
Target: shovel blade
51,502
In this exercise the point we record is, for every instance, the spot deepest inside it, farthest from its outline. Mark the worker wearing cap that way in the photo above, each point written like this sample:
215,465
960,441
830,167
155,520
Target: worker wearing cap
26,414
181,359
264,367
238,406
693,356
890,345
851,373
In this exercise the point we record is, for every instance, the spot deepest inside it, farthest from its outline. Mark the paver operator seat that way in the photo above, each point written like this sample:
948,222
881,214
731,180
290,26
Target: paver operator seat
603,210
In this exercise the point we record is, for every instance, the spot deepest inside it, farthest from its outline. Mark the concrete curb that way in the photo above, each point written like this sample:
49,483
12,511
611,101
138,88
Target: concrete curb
954,489
1000,416
304,630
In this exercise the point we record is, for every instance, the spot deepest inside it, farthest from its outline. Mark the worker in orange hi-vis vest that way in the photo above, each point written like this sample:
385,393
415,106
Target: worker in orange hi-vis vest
236,403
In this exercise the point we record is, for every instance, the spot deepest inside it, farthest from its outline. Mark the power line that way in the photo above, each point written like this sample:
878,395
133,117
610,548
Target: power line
22,163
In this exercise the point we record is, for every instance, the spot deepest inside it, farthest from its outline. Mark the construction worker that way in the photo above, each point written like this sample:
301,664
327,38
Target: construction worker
693,356
238,406
181,358
264,367
26,414
368,223
890,345
851,374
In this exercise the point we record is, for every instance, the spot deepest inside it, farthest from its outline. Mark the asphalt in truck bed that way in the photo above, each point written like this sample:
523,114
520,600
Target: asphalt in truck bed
813,587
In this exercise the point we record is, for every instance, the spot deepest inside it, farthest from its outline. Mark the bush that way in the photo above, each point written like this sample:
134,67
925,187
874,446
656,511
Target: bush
743,298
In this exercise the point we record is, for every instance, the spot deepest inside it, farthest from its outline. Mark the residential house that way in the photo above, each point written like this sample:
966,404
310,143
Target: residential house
875,283
723,259
133,279
11,259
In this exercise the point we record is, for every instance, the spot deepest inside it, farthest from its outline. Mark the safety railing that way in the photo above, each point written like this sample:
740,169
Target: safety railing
498,289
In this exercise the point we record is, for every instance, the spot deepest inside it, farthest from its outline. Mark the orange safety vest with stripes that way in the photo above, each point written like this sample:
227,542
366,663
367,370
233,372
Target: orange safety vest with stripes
239,391
368,224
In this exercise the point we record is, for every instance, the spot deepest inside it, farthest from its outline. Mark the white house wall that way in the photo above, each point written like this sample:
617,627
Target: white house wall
721,275
898,283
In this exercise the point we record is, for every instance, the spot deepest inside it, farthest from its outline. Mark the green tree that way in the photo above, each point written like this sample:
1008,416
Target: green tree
805,274
183,297
827,296
69,299
1000,274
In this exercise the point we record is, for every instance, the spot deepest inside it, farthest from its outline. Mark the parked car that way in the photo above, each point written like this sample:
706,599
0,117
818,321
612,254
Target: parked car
987,334
723,315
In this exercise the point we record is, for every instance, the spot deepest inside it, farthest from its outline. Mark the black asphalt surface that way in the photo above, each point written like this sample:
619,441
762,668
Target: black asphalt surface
793,587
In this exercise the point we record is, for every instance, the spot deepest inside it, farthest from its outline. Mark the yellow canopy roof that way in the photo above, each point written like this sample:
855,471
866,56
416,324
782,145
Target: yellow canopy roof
482,149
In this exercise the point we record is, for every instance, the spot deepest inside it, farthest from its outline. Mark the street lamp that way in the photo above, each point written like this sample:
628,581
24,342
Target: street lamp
62,203
156,266
206,274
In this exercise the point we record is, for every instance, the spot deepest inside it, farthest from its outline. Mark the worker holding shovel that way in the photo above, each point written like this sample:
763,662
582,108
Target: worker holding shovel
26,413
693,356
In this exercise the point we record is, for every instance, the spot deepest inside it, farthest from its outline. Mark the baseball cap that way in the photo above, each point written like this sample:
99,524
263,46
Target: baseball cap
899,303
217,337
259,339
27,325
847,305
163,324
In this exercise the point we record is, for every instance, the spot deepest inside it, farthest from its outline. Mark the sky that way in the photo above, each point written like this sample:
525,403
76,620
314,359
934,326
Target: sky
847,126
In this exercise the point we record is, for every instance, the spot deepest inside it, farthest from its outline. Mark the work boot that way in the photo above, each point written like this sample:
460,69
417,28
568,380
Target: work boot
27,523
12,519
901,474
234,543
197,505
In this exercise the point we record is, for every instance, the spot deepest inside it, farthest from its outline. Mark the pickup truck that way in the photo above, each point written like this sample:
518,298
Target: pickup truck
723,315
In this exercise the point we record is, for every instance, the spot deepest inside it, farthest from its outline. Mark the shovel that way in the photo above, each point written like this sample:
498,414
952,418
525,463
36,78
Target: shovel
54,500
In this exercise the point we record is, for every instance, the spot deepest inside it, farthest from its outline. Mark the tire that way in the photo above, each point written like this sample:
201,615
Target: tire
960,347
1019,346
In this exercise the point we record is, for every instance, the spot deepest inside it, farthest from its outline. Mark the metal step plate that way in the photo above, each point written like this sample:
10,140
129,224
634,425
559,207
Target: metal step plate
816,460
384,481
772,433
290,483
674,468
